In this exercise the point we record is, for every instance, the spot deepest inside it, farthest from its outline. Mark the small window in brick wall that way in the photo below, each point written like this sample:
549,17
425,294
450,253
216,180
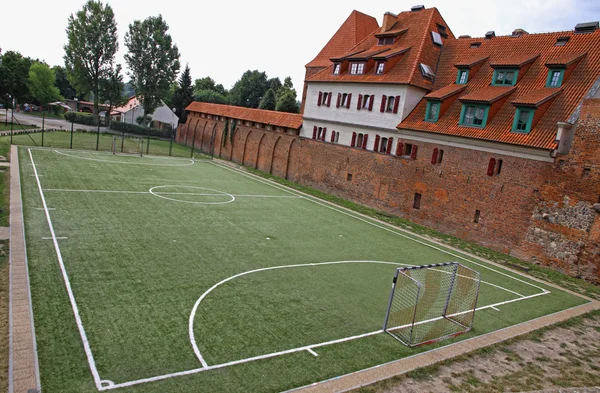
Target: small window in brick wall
477,216
349,177
586,172
417,201
494,167
437,156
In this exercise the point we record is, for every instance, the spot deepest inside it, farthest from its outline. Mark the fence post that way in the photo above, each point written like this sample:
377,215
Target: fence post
71,144
122,141
170,147
12,120
194,141
98,136
43,118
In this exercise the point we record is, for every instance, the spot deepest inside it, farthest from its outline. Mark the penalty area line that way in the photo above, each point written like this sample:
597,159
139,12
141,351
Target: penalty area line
312,352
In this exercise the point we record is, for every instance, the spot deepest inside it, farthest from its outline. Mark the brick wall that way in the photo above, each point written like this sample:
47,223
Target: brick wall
535,210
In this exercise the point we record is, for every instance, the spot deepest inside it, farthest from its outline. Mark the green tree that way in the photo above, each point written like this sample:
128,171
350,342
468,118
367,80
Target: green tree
269,101
153,60
42,84
184,94
111,90
275,84
287,102
14,73
91,47
210,96
208,83
63,84
250,89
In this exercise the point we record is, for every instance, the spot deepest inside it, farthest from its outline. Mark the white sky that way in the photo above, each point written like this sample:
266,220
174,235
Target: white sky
222,39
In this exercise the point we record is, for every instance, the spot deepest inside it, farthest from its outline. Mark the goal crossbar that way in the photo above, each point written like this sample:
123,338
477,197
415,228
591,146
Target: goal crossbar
431,303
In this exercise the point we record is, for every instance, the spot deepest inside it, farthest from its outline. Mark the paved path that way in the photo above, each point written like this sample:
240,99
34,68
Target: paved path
23,372
59,124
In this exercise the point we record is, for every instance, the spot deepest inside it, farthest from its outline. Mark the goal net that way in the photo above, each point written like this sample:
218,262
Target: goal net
431,303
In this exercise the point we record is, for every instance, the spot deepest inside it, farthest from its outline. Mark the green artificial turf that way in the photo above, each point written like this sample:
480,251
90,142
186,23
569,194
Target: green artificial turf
138,262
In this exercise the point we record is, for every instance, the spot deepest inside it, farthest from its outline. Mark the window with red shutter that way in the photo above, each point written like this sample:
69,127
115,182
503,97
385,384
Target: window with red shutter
396,103
434,156
353,140
399,149
491,167
348,101
383,101
359,104
371,102
320,98
339,100
364,144
376,146
323,134
332,136
329,98
389,146
315,132
413,153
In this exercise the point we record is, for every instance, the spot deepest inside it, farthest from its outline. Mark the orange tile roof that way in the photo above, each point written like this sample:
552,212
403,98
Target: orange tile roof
418,26
353,30
391,33
564,59
514,60
280,119
446,92
498,129
537,97
488,94
470,61
367,54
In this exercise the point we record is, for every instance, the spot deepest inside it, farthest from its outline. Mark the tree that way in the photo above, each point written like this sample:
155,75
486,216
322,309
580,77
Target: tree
91,47
275,84
153,60
111,90
210,96
208,83
250,89
42,84
14,73
184,94
63,84
269,101
287,102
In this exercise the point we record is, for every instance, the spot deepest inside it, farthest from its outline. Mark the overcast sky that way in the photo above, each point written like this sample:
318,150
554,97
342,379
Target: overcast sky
222,39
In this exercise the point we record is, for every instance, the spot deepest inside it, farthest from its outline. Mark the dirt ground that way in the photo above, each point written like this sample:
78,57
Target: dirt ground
552,360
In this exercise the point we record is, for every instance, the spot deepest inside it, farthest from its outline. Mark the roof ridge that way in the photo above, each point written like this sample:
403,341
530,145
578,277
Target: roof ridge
421,45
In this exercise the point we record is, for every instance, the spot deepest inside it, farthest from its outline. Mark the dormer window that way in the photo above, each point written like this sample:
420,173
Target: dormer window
386,41
426,71
357,68
380,68
555,78
432,112
562,41
442,30
523,120
505,77
462,77
336,68
474,115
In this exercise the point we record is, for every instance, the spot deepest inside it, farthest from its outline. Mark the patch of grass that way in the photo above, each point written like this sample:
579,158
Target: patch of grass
4,315
550,275
15,127
47,115
424,373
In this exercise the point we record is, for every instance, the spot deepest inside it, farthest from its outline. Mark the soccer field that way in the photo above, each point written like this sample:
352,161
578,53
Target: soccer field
161,274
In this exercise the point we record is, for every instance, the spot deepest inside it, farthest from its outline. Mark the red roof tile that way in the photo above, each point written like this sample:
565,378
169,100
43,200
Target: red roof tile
488,94
418,26
514,60
446,92
353,30
281,119
498,129
367,54
564,59
391,33
537,97
468,62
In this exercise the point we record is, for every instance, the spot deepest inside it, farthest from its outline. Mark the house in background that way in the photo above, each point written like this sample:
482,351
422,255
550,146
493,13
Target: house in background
162,117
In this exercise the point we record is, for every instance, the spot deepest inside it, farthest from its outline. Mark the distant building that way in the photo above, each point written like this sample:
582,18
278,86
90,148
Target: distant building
132,110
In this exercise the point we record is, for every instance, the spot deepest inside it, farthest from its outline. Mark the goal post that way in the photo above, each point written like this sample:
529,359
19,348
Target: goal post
431,303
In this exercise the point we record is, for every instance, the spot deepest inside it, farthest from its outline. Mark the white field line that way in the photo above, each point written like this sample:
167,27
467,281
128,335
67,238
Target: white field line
388,229
167,193
86,344
494,308
280,353
51,238
197,304
191,162
312,352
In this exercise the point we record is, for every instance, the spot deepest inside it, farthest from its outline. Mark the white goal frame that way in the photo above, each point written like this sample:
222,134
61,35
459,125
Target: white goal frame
431,303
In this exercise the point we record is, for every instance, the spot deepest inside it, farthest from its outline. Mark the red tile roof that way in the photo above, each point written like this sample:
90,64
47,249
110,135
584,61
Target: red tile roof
515,60
418,26
470,61
575,86
280,119
537,97
564,59
391,53
354,30
446,92
488,94
367,54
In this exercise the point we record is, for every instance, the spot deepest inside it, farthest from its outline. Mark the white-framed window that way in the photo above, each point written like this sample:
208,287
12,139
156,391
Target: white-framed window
359,140
357,68
325,97
380,68
383,146
391,100
336,68
365,102
344,100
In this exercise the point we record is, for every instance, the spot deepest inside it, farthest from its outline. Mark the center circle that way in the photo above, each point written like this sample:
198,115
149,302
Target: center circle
192,194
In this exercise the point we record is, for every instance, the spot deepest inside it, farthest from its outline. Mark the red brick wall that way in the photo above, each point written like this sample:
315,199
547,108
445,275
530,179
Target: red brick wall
531,209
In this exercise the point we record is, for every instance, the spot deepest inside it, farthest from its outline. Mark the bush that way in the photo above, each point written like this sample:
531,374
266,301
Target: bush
80,118
139,130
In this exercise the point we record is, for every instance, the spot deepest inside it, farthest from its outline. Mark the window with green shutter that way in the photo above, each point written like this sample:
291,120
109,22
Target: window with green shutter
433,111
505,77
474,115
555,77
523,120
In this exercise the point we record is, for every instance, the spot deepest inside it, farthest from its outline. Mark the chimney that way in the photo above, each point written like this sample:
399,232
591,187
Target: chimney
518,33
587,27
464,36
416,8
389,20
490,34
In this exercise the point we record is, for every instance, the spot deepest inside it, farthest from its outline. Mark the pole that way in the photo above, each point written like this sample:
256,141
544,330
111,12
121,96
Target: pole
12,121
98,136
122,140
148,146
43,118
194,141
72,121
170,146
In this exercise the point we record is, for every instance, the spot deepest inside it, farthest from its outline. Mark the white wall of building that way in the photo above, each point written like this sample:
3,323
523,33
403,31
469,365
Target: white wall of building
352,117
164,114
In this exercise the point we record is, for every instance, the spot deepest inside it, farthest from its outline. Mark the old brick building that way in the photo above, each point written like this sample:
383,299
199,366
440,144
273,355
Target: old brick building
492,139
